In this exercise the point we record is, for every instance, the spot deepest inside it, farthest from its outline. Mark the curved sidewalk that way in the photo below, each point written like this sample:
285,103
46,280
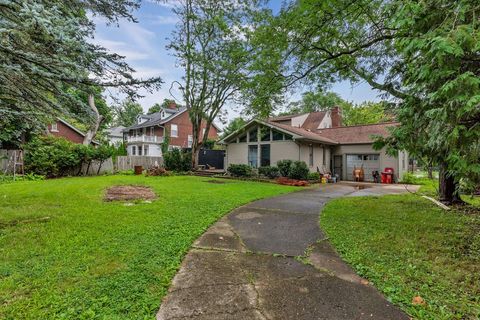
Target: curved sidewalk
270,260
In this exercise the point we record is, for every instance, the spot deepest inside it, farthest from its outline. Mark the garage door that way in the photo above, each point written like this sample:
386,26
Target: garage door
370,163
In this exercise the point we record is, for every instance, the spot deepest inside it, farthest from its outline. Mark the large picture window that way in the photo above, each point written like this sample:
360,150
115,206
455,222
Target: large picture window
253,156
264,155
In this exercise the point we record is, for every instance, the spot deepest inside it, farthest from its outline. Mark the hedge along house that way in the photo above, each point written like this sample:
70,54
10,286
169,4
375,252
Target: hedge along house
318,139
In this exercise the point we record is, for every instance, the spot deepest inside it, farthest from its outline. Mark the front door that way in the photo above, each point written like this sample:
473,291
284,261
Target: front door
337,165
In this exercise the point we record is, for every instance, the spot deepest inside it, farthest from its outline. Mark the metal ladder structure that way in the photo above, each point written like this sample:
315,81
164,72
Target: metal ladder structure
16,163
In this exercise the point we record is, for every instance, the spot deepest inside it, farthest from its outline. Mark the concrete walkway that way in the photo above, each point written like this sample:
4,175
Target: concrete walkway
270,260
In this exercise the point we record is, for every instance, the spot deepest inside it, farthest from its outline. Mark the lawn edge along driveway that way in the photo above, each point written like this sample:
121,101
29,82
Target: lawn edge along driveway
65,253
423,258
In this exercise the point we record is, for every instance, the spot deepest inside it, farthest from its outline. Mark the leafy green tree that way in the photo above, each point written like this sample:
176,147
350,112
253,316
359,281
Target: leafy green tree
126,113
157,107
46,52
421,54
211,45
234,125
317,101
366,113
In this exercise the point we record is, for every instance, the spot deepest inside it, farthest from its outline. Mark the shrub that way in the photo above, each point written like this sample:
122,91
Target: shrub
299,171
240,170
314,176
284,166
177,160
271,172
52,156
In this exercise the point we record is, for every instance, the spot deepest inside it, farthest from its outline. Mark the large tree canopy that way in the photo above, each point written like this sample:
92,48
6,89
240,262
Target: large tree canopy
211,45
424,55
46,55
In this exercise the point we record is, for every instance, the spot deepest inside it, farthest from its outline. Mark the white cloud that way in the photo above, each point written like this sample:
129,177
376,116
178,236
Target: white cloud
163,20
165,3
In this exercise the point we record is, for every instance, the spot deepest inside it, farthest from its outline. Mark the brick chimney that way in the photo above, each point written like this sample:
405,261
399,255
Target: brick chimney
172,105
336,115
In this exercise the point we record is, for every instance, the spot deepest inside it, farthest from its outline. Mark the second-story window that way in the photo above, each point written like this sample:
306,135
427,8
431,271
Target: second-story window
152,131
54,127
174,130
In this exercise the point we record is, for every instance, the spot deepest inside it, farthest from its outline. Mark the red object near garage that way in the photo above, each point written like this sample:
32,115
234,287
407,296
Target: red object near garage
387,175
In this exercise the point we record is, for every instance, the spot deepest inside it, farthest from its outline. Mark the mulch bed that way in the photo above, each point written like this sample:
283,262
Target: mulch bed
292,182
122,193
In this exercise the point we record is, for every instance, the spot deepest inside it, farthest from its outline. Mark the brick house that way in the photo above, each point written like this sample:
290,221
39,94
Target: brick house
146,137
62,128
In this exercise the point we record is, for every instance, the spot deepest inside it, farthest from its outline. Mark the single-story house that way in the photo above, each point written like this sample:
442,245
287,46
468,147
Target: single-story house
318,139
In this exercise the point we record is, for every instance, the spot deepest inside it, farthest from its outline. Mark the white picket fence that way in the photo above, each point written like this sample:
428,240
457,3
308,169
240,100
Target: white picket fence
129,162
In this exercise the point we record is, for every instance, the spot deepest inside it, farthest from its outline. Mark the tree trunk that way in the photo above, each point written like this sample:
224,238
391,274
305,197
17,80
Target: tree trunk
92,131
448,187
430,170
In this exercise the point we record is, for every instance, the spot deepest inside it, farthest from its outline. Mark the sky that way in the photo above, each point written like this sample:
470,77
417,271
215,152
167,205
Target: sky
144,46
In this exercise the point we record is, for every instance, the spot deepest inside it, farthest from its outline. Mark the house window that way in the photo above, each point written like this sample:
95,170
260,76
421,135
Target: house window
253,156
288,137
265,134
277,135
152,131
253,135
310,155
403,160
243,138
324,156
54,127
190,141
134,149
174,130
145,150
264,155
139,150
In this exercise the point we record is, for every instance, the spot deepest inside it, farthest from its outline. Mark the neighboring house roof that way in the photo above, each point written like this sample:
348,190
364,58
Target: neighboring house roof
155,119
71,126
115,131
313,120
285,117
357,134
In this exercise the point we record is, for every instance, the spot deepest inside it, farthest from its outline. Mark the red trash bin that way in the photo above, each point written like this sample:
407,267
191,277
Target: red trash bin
387,175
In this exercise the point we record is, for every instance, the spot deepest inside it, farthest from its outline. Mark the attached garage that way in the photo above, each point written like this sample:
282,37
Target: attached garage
369,163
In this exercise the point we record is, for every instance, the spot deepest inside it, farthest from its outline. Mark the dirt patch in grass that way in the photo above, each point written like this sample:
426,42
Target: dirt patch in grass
215,181
122,193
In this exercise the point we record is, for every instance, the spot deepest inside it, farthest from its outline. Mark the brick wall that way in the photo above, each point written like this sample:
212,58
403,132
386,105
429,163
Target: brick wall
184,129
66,132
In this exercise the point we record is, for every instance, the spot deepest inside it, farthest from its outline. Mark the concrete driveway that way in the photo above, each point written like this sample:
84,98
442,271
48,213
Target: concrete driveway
270,260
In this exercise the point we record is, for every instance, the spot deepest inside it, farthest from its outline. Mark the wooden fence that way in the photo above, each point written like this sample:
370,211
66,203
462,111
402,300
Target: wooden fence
5,161
128,162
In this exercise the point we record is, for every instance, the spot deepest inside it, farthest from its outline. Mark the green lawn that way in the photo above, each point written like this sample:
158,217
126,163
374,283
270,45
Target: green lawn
98,260
409,247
